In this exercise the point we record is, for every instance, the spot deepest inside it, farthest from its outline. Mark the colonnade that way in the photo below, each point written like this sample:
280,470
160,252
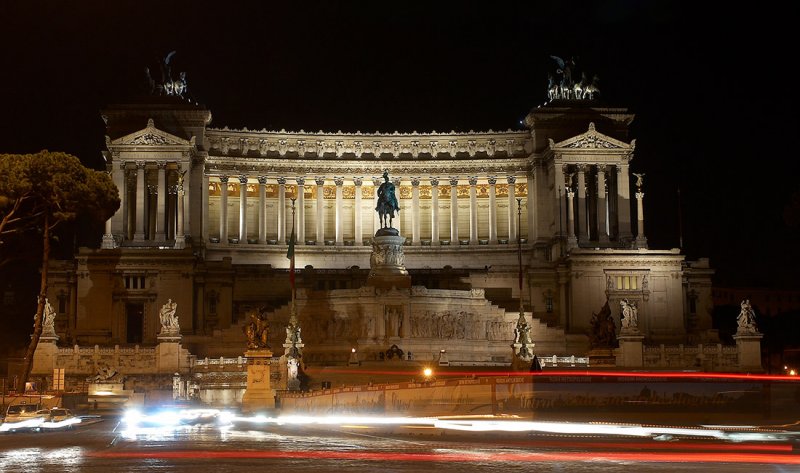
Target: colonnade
413,208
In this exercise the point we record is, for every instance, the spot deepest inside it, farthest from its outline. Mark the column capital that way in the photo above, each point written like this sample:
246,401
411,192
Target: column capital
262,180
339,181
570,192
123,165
223,179
161,164
581,167
435,181
618,168
600,167
140,164
376,181
492,180
415,181
640,195
358,181
282,181
511,179
473,181
319,180
453,181
301,180
243,179
396,181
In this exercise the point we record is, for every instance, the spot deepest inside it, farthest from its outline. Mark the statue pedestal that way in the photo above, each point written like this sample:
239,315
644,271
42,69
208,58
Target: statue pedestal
168,353
749,347
387,262
602,357
259,395
631,354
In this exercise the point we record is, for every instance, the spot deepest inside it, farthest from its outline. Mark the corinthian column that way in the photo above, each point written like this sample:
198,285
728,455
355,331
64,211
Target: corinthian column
623,202
641,240
434,211
339,181
583,215
243,209
571,240
357,224
376,224
223,210
180,238
512,218
281,211
396,225
262,209
320,211
454,211
161,203
301,211
602,206
492,210
141,189
473,211
415,211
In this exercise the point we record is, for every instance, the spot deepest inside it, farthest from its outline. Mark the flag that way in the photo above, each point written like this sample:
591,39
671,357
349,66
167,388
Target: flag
290,255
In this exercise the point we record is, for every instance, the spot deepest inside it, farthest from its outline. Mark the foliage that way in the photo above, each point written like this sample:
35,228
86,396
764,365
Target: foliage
39,192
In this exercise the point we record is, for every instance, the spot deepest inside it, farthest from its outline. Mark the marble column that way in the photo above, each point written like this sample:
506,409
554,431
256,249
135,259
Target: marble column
320,181
223,210
415,210
623,202
358,230
512,210
558,202
492,210
376,223
533,227
204,228
243,209
281,223
141,190
180,238
602,205
397,221
119,223
339,181
301,210
161,202
262,209
434,211
572,241
473,211
582,219
641,239
454,211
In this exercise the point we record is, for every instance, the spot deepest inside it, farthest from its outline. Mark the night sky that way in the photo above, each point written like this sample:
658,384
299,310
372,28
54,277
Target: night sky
715,99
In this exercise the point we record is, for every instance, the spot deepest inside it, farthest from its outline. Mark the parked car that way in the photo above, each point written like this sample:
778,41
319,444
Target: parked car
22,416
58,418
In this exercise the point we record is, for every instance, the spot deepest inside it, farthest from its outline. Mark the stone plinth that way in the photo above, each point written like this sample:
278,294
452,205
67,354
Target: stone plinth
168,354
602,357
631,353
749,346
387,262
259,395
46,355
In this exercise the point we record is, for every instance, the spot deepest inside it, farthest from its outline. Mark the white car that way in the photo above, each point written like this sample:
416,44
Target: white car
58,418
22,416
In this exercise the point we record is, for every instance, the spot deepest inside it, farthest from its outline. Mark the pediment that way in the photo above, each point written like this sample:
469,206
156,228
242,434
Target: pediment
592,139
151,136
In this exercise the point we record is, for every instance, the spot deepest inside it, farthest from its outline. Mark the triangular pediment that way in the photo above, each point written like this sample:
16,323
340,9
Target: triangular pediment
151,136
592,139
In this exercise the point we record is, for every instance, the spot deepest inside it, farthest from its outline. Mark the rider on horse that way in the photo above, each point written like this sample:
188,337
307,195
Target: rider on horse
387,201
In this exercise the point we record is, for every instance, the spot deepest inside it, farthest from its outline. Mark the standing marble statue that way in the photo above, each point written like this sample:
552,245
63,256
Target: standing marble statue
169,318
48,323
630,314
746,320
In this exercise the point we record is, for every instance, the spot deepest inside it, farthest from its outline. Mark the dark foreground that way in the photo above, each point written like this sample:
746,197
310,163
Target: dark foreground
104,445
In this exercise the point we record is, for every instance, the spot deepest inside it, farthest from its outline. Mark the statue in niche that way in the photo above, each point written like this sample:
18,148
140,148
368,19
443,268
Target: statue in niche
387,202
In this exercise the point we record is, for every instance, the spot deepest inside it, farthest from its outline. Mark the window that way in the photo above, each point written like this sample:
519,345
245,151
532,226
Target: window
548,302
134,282
627,283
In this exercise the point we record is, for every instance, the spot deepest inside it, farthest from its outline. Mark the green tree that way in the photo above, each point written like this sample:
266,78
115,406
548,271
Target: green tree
39,192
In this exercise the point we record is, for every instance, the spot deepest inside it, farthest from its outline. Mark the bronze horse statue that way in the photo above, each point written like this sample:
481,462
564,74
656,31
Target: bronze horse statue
387,202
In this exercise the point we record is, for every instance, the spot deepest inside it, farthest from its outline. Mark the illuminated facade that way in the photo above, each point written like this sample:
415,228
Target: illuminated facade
207,212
